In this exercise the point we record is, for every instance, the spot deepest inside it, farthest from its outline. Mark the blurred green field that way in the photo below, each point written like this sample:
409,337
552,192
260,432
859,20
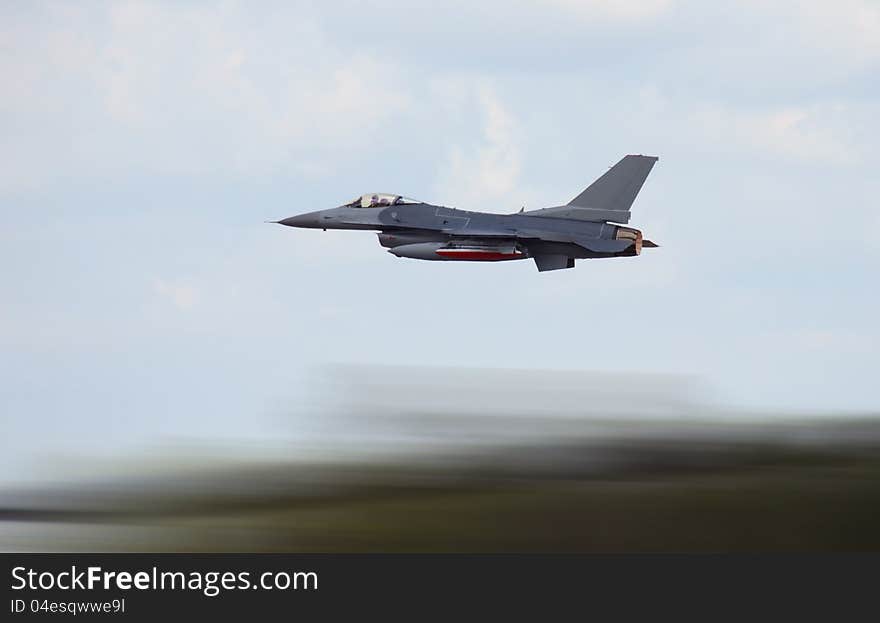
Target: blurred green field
698,493
803,507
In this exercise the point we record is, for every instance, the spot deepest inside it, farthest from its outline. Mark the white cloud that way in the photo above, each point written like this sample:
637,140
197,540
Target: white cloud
488,171
219,89
846,30
613,9
182,89
823,341
183,297
807,133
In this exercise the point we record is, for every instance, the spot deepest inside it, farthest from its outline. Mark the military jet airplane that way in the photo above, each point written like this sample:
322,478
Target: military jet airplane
554,237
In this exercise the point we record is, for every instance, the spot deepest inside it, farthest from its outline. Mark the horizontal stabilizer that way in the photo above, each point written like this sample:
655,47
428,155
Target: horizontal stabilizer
584,214
601,245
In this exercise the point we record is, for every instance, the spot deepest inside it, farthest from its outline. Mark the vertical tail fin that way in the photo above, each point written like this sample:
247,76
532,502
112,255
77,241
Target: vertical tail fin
617,188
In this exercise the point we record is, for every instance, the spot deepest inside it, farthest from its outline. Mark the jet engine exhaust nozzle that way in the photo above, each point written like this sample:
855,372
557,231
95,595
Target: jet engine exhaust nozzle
626,233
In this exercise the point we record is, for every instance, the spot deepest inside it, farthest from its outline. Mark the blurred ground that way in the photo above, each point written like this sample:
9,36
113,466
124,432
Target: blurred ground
515,478
699,494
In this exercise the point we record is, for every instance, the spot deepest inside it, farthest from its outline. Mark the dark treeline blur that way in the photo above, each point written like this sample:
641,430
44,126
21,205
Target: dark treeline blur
423,476
798,489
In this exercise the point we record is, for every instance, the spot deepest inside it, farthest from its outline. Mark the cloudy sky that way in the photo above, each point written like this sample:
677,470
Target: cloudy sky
144,144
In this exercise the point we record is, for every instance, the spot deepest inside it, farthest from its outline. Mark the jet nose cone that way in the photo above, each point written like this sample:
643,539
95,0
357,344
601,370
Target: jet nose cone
301,220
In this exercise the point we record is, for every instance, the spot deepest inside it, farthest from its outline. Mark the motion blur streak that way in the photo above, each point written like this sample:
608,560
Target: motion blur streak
435,459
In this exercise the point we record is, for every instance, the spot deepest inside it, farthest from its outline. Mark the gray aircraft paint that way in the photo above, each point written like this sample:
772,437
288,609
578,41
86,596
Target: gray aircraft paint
553,237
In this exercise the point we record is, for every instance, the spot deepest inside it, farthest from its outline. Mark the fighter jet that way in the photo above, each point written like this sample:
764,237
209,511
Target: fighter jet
584,228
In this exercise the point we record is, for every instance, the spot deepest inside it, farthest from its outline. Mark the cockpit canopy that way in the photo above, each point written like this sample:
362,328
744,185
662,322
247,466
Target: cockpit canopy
379,200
